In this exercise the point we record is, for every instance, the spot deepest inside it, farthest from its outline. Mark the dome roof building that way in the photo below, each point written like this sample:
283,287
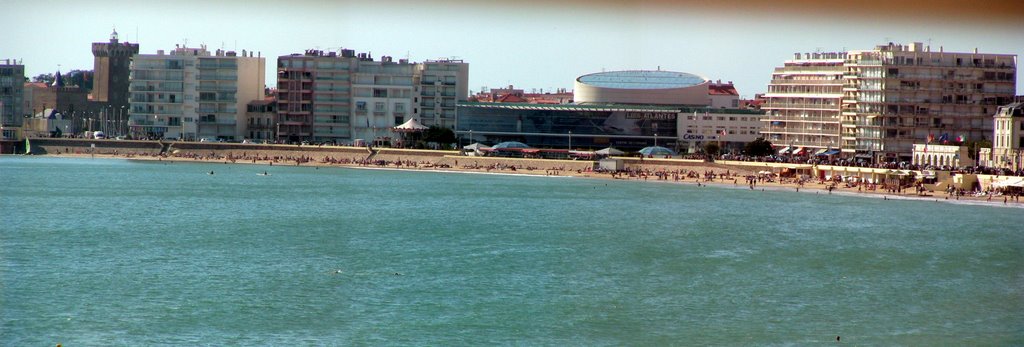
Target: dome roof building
642,87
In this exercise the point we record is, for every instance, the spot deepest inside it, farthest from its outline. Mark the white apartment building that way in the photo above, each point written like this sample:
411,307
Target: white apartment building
192,93
1009,136
342,96
802,105
731,128
892,96
443,83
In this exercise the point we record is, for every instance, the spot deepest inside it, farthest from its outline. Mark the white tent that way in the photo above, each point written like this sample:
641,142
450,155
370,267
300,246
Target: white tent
410,126
474,147
609,151
1010,182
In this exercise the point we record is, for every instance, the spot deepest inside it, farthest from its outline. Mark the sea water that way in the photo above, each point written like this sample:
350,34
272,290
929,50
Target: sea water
99,252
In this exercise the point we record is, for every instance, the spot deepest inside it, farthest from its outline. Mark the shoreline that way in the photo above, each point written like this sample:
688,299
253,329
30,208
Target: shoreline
507,170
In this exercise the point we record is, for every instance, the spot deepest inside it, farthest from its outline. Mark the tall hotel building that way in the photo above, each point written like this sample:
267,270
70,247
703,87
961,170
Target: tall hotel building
890,98
804,100
192,93
332,97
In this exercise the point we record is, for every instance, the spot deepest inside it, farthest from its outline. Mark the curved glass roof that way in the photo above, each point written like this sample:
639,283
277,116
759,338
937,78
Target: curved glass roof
641,79
510,144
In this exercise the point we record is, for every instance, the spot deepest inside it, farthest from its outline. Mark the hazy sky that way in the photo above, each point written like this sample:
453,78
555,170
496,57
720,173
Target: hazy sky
531,44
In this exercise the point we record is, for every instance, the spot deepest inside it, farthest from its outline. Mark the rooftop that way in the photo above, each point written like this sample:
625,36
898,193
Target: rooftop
604,107
642,79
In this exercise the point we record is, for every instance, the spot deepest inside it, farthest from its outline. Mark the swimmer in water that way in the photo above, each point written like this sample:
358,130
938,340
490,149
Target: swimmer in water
211,172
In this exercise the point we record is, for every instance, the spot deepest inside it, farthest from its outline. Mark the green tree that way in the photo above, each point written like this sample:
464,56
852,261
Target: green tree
974,146
712,148
443,136
45,78
80,78
758,148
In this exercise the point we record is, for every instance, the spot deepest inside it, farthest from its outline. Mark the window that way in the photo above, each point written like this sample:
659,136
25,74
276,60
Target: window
398,121
360,105
399,107
380,93
379,107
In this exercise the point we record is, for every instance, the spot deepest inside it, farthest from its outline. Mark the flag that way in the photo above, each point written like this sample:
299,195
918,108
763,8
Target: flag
961,138
944,138
724,132
931,137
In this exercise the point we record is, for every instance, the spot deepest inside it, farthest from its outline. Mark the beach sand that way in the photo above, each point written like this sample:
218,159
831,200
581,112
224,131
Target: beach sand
728,177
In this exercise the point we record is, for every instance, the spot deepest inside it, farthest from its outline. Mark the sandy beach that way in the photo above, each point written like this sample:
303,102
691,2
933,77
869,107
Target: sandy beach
697,174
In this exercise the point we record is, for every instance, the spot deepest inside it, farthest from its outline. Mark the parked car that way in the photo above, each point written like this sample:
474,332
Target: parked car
210,139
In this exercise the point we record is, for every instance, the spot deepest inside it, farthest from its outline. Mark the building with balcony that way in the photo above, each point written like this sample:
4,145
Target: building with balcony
338,97
261,120
890,97
803,102
443,83
12,79
192,93
1009,136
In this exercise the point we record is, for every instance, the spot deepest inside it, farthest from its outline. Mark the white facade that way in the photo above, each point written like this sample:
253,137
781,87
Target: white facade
886,98
191,94
331,97
941,155
802,106
642,87
443,84
1009,136
731,129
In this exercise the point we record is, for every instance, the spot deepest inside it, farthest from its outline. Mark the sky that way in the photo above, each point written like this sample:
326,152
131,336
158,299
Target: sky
531,44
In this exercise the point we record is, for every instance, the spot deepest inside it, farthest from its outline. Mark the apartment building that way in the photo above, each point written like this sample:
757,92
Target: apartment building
891,97
12,78
337,97
803,102
1009,136
443,84
261,120
192,93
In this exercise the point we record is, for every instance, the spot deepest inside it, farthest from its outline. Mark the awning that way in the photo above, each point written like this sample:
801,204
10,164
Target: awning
830,152
784,150
801,151
820,151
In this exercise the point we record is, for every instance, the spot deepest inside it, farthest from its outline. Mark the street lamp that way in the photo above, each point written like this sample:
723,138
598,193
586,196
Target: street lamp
655,139
570,140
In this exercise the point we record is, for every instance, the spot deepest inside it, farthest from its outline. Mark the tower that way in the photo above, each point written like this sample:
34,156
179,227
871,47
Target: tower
111,69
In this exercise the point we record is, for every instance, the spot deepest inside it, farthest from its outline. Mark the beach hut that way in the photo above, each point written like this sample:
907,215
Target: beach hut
657,151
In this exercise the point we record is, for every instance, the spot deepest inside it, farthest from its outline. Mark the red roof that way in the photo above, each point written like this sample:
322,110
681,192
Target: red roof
511,98
722,89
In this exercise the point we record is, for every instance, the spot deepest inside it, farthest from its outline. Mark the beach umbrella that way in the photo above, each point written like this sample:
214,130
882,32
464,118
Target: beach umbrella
656,151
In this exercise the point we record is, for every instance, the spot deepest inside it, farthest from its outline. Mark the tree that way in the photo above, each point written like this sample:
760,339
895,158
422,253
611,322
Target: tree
80,78
712,148
443,136
974,146
758,148
44,78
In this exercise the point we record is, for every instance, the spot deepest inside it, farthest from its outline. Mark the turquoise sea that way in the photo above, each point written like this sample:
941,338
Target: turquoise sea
105,252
